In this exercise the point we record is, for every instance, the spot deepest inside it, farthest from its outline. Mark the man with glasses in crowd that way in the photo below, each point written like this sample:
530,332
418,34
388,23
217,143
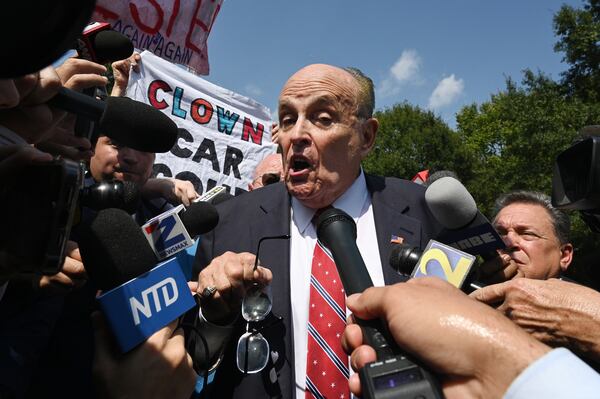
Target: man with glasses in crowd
268,171
326,128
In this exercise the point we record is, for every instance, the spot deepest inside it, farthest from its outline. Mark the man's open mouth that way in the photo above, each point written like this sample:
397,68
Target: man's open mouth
299,165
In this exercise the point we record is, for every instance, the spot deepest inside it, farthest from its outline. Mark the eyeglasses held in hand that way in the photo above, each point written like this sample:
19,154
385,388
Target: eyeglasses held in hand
253,349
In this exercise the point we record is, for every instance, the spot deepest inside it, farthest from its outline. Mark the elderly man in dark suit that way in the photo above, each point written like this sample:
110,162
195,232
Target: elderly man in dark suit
326,129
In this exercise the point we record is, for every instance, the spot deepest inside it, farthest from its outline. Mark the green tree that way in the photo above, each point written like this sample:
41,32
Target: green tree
411,139
517,134
578,32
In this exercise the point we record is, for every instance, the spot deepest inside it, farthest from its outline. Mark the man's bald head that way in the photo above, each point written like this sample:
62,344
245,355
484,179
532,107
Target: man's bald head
363,96
324,132
269,170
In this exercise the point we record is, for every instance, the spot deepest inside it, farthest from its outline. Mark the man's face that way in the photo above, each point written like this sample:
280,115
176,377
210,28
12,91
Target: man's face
322,138
268,171
531,241
114,162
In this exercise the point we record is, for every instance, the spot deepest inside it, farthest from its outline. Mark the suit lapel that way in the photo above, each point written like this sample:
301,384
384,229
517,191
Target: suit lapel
273,219
274,216
389,214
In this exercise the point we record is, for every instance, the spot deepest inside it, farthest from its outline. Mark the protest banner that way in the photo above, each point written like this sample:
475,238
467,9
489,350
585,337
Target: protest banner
222,135
171,29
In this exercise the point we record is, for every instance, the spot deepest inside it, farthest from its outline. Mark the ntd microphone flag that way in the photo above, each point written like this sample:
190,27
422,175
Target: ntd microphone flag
167,234
140,307
445,262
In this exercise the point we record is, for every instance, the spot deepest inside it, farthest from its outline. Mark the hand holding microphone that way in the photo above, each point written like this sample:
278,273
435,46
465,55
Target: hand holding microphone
139,297
159,368
176,191
463,341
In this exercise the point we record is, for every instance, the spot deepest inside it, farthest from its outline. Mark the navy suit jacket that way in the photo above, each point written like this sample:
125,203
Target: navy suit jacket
399,209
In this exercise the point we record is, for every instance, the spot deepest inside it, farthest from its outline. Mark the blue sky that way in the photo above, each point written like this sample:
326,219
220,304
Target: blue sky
439,55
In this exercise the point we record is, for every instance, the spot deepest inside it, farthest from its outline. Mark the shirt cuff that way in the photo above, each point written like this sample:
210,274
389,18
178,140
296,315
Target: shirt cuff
557,374
217,337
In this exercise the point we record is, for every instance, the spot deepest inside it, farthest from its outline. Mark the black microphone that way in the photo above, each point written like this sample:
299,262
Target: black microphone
199,218
337,231
139,297
113,249
405,259
131,123
465,227
111,194
174,230
101,44
110,45
39,33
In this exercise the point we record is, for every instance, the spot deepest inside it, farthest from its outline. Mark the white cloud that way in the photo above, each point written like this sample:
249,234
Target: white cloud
253,90
404,71
388,87
447,90
407,66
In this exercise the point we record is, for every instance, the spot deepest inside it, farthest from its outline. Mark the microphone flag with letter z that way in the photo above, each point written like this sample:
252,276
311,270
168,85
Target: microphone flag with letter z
167,234
140,307
443,261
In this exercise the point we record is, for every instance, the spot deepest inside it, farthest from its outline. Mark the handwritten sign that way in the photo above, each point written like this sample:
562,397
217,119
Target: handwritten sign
171,29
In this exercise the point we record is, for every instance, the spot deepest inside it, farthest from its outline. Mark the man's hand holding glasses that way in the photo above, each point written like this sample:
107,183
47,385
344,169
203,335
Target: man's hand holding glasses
223,284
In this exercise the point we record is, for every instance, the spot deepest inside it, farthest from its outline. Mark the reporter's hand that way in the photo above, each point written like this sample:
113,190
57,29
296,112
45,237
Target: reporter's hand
64,142
121,70
71,276
158,368
232,274
475,350
32,118
78,74
14,157
175,191
498,269
555,312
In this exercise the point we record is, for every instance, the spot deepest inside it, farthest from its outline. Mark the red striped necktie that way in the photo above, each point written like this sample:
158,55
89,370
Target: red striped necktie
326,364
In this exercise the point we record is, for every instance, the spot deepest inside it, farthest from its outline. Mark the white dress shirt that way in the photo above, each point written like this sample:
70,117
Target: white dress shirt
356,202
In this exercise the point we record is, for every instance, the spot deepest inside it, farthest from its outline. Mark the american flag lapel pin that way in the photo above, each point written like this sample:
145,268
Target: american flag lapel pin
396,239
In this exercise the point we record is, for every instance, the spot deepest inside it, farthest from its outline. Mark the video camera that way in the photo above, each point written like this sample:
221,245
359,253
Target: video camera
34,239
40,204
576,179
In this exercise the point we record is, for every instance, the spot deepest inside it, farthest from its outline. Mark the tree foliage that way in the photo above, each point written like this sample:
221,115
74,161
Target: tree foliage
514,138
578,32
410,140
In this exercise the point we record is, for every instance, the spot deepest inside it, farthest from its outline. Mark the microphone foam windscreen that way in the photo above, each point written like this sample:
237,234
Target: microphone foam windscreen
114,250
450,203
221,197
199,218
38,33
137,125
131,197
111,45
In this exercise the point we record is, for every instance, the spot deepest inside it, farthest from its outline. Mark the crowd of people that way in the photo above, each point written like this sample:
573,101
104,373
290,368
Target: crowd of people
273,319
